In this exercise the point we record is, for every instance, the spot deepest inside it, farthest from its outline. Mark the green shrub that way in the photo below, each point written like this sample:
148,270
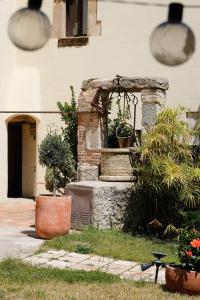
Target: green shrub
191,219
53,155
168,177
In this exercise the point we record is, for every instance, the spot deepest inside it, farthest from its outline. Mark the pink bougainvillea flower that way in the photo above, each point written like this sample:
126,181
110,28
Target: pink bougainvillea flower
195,243
189,253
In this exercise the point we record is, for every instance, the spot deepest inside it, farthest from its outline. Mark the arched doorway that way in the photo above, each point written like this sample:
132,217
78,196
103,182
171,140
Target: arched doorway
21,156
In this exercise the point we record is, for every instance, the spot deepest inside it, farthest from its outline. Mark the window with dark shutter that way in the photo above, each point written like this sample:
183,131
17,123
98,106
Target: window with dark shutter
76,17
74,21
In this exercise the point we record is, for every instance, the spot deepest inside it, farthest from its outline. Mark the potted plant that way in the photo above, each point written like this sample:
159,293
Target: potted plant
124,133
120,134
53,212
185,277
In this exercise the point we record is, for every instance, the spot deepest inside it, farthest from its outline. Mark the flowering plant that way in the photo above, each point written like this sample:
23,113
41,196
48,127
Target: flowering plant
189,250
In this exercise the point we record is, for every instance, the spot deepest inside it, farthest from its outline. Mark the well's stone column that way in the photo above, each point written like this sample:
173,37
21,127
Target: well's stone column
89,137
153,100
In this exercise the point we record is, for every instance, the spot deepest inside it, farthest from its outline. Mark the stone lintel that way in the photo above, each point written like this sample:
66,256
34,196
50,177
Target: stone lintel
132,84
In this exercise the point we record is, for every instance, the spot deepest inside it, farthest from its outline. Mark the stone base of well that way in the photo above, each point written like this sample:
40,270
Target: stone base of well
98,203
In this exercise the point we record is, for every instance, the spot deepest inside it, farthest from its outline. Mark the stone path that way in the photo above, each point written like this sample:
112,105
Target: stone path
17,239
75,261
17,232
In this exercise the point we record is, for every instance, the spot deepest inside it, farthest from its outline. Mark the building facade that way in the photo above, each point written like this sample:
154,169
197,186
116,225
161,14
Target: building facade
96,40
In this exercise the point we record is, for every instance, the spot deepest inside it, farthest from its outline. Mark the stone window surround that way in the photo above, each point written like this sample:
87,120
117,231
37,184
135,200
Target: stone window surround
59,25
92,122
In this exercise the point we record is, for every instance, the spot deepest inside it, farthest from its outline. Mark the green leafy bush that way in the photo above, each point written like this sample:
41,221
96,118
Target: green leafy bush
84,249
191,219
53,155
168,177
67,171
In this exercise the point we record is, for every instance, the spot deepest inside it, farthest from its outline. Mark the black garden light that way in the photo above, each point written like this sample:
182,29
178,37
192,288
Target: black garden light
29,28
157,262
173,43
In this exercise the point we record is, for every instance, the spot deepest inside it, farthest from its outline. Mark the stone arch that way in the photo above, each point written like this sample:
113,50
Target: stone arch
22,131
92,119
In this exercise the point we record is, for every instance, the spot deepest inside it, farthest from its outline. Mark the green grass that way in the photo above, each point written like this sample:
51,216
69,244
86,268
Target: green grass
114,244
17,271
23,282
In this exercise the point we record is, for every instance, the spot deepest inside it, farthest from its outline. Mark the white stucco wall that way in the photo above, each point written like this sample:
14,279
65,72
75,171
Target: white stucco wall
123,48
37,80
7,63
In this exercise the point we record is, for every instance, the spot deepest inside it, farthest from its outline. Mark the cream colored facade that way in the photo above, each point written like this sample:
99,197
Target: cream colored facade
36,81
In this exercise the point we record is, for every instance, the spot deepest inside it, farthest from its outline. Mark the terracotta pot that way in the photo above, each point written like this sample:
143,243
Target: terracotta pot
182,281
125,141
53,216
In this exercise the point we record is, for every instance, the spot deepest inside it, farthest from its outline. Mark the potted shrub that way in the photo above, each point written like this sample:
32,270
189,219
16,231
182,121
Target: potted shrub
53,212
185,278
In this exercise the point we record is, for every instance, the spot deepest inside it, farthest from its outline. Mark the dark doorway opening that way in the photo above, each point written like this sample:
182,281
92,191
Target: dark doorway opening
15,160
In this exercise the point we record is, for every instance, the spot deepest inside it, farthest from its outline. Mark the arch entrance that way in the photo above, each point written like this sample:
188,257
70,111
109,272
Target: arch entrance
21,156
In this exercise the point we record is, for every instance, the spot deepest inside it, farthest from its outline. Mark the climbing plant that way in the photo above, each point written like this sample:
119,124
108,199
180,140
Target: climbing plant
67,170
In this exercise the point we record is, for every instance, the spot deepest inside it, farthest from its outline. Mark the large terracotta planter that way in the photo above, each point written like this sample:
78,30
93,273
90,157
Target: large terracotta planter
52,216
182,281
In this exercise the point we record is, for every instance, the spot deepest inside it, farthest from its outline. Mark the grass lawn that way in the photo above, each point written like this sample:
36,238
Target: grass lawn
23,282
114,244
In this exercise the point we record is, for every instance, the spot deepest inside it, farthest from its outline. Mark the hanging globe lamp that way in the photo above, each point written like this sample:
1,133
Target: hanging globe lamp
172,43
29,28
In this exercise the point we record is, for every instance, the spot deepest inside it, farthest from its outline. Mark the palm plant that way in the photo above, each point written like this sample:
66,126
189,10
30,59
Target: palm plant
166,169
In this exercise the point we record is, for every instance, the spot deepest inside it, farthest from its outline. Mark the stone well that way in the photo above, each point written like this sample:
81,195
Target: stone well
92,138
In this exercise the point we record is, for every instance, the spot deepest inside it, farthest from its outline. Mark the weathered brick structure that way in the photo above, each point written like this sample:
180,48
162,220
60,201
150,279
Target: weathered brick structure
92,116
96,202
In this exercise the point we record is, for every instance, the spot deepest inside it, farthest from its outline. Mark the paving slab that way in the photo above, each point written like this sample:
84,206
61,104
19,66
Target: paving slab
53,255
84,267
58,264
128,270
106,260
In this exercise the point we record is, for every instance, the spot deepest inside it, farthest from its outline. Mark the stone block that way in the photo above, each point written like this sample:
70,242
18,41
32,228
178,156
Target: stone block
59,264
153,96
93,137
102,204
149,113
85,172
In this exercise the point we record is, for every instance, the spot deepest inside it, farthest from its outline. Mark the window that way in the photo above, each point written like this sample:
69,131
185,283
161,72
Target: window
74,21
76,17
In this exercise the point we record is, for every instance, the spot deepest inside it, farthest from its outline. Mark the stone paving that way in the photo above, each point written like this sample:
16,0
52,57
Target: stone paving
17,232
68,260
17,239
